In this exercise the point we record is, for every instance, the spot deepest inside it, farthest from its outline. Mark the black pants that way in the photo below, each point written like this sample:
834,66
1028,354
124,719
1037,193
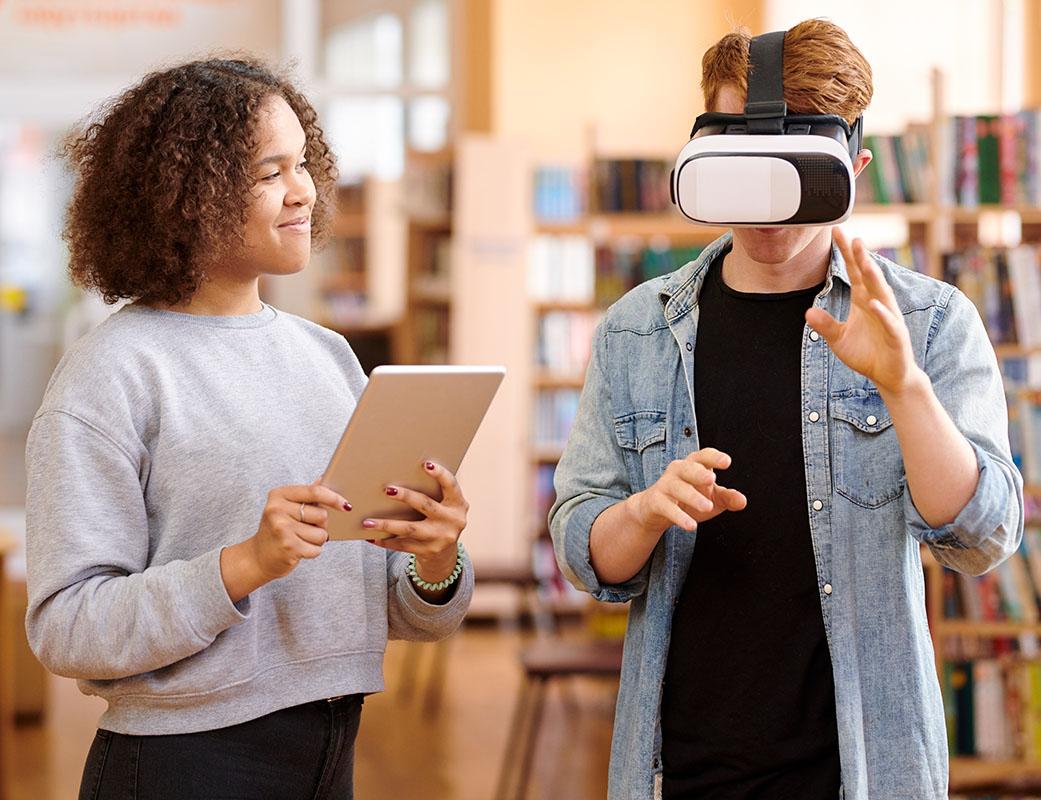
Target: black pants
300,753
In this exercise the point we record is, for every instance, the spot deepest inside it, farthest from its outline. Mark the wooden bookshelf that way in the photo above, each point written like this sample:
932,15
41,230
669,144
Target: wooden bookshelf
975,774
422,337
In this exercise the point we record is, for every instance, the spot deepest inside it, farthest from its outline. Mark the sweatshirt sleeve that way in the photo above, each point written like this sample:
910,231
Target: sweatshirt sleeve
413,618
97,609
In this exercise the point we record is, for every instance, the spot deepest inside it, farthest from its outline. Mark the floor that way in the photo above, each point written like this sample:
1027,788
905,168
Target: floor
403,750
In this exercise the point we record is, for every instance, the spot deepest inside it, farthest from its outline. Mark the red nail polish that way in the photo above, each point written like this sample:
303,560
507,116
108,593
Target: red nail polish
429,465
371,541
347,507
391,491
368,524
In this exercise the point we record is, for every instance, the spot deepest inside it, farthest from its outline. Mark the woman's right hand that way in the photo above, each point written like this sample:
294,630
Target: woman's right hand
292,527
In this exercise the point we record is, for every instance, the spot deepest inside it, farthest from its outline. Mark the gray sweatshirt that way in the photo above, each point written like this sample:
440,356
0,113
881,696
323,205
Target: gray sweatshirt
159,437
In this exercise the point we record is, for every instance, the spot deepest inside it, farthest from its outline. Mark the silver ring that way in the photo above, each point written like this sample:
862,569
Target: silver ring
302,512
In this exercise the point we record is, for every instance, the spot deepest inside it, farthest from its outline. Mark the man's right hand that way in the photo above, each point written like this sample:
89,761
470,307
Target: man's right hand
686,494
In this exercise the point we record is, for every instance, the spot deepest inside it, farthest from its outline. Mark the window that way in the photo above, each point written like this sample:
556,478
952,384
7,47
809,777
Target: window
388,86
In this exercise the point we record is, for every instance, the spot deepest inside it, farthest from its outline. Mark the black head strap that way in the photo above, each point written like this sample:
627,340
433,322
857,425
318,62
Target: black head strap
765,107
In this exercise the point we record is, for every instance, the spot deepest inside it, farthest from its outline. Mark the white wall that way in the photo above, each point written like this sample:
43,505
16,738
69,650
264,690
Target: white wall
903,41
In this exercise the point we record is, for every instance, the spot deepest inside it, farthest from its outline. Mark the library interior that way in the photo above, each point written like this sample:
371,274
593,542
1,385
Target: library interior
503,180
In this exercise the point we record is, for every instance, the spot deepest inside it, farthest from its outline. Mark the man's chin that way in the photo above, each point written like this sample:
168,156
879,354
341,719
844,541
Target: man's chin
769,245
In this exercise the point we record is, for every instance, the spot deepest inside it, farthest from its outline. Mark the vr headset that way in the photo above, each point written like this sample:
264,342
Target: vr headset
767,167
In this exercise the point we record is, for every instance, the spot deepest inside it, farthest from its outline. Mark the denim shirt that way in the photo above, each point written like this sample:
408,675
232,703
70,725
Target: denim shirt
637,400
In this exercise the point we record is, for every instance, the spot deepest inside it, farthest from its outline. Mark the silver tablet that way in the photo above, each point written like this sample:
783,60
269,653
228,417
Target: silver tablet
406,416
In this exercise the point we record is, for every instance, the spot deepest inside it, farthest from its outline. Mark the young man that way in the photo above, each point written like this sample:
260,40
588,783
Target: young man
777,643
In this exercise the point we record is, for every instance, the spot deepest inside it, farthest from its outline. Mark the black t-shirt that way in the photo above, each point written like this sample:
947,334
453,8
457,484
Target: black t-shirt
748,704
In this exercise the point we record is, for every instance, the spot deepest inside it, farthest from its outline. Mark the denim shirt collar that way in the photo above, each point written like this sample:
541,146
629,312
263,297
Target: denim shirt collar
680,290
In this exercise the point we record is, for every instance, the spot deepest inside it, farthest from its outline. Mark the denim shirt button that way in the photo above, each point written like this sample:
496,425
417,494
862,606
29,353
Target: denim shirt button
814,416
814,336
688,432
871,420
689,347
827,588
817,505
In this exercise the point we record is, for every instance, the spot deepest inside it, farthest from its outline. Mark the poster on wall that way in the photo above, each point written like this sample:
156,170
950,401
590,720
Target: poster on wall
56,39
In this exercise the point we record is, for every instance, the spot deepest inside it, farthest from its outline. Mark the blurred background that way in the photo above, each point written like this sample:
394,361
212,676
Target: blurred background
504,169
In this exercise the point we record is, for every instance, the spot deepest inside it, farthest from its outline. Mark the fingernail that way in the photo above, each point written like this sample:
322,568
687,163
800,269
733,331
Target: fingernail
429,465
368,523
347,506
391,491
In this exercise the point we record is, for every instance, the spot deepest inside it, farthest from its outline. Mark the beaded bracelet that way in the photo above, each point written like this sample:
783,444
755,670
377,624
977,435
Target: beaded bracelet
460,560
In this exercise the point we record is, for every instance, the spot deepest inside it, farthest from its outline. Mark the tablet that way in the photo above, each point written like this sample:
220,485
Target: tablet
406,415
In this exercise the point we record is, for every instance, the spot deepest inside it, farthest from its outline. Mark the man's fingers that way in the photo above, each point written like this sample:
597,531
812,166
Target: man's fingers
710,457
875,281
824,323
690,497
890,323
731,499
852,267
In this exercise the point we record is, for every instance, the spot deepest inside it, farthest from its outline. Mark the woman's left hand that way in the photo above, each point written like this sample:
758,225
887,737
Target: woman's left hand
432,539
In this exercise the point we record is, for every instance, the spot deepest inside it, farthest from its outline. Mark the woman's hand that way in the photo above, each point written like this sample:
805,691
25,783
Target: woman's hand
292,527
433,539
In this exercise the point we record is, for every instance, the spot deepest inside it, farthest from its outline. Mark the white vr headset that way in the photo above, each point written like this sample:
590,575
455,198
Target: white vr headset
767,167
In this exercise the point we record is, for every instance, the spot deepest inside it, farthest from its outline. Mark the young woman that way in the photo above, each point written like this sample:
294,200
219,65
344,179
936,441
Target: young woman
177,555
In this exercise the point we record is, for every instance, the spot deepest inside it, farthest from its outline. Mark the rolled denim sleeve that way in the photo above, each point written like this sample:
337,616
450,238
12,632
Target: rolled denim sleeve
963,368
590,478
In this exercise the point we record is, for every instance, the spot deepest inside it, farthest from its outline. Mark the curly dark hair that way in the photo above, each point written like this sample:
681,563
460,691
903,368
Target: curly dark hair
163,177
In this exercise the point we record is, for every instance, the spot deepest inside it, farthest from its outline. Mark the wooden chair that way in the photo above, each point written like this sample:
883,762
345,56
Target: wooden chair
518,575
542,662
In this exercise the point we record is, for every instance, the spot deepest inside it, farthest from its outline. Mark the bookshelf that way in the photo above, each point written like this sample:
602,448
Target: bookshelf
497,247
346,293
936,226
423,334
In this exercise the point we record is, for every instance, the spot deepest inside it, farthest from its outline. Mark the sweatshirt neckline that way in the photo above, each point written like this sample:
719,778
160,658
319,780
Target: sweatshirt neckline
258,319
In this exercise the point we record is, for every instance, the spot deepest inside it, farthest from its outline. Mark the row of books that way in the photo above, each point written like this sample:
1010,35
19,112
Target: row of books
434,254
898,169
553,587
630,185
910,254
428,187
555,411
561,268
1010,592
991,158
431,335
561,194
1024,429
545,495
622,267
1005,285
564,340
993,708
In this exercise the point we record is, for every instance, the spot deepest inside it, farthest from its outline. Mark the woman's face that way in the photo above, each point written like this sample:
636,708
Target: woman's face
278,223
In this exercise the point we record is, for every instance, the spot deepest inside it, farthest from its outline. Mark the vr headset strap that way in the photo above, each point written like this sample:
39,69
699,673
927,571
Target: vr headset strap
765,107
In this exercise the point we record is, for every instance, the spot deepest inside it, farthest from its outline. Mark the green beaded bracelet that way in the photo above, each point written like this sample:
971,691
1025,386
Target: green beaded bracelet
460,560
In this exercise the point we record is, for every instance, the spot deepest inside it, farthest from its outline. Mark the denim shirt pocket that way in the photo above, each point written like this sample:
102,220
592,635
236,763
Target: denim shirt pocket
641,435
867,466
